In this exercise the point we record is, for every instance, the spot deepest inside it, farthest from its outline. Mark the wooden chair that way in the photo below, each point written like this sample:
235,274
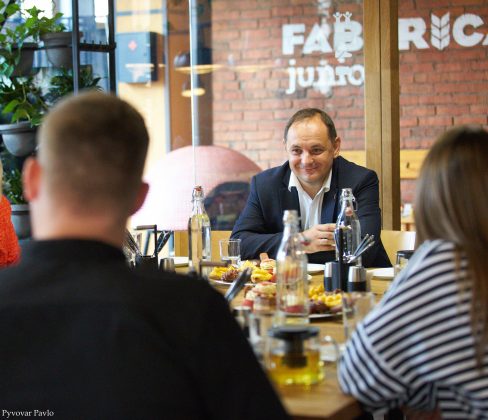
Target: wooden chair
396,240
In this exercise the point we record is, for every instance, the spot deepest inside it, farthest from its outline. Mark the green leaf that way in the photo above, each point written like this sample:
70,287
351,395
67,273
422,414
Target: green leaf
10,106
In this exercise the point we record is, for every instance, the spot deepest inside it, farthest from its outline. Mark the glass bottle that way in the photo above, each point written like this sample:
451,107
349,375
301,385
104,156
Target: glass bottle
349,223
198,231
291,274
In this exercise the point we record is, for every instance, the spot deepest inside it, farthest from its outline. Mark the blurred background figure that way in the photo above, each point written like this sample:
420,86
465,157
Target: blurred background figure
9,244
425,347
83,333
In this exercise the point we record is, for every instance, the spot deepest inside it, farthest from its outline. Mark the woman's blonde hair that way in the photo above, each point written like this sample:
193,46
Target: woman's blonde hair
451,203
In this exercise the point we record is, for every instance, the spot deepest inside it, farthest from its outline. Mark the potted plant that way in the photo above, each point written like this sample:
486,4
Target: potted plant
12,189
22,106
62,84
17,55
52,33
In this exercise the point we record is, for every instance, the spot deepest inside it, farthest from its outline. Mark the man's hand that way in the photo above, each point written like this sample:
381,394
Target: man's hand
320,238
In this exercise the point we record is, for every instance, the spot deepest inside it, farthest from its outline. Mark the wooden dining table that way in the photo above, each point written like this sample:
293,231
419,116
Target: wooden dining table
324,400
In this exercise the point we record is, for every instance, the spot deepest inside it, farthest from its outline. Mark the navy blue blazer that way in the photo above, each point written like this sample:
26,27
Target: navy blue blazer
260,225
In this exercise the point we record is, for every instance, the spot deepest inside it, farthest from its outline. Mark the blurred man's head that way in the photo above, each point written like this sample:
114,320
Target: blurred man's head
92,150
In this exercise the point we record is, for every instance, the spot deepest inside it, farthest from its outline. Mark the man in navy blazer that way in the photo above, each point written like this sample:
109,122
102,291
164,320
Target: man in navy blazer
310,182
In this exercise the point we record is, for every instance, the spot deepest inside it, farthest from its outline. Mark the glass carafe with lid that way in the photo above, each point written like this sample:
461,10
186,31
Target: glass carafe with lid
348,222
198,231
291,274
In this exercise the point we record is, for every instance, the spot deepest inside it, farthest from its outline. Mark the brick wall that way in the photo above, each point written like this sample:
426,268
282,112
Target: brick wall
439,88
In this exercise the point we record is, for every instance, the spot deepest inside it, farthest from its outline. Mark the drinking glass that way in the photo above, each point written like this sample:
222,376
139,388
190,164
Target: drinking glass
230,251
355,306
259,325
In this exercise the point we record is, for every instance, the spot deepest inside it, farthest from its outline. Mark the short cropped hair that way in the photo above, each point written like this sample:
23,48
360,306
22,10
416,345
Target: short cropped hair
307,113
92,148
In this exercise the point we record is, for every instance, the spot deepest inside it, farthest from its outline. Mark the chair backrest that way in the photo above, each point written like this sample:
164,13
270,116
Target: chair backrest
181,242
396,240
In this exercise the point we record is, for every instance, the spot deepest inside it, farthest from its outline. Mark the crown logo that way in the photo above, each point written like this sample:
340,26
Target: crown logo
338,17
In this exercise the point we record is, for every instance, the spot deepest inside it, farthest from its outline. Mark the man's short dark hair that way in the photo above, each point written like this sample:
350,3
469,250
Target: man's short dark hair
93,148
307,113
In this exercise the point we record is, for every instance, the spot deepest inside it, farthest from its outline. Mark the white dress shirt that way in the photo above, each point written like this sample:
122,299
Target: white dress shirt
310,208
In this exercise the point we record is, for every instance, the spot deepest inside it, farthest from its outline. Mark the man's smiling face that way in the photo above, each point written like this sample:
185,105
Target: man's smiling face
311,152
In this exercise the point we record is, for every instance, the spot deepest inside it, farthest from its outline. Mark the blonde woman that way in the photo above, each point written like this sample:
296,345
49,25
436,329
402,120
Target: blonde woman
425,346
9,245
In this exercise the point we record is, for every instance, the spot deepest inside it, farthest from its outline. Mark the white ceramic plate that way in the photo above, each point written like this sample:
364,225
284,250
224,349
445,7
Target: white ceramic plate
383,273
180,261
315,268
224,283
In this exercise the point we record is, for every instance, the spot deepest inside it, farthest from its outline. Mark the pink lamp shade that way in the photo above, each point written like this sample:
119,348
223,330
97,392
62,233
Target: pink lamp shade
171,182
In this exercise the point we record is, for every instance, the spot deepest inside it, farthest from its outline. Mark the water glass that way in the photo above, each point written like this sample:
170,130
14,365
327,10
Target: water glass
259,325
167,264
355,306
230,251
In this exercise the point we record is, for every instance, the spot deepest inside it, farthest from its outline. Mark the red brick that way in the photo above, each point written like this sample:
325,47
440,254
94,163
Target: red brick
246,105
270,125
256,14
225,35
219,106
228,116
258,135
274,84
256,54
270,154
419,88
273,22
236,126
479,109
479,65
454,66
223,15
452,110
418,111
234,95
434,99
434,121
258,115
422,67
276,104
350,112
471,2
227,136
223,75
459,87
225,86
408,122
408,100
471,119
259,144
287,11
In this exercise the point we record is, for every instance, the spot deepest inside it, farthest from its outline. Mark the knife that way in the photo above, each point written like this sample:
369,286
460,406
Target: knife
238,284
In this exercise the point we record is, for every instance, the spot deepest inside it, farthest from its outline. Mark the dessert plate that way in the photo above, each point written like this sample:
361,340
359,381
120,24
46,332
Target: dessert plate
180,261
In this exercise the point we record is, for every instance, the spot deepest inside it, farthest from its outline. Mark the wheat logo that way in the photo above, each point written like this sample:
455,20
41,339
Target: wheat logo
439,31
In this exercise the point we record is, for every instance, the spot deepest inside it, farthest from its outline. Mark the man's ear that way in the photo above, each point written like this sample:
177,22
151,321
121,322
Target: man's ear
140,198
31,178
337,146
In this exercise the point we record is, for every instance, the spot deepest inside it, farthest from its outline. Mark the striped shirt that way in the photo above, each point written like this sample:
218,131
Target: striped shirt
416,348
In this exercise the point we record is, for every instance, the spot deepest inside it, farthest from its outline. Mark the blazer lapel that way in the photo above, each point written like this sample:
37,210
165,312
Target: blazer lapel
288,199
